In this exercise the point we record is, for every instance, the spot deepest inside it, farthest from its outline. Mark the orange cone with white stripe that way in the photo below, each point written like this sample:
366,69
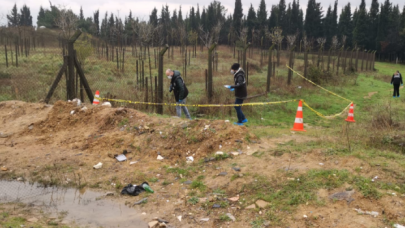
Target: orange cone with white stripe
96,100
299,120
350,117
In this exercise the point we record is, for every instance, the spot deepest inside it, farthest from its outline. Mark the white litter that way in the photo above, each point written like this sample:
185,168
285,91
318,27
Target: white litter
190,159
375,178
121,158
235,153
84,109
98,166
372,213
179,218
305,216
398,226
131,163
108,104
159,157
226,121
320,163
220,146
219,153
204,219
72,112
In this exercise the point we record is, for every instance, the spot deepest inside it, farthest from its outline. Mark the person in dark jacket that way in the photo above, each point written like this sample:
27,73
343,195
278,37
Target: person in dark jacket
397,81
240,91
180,91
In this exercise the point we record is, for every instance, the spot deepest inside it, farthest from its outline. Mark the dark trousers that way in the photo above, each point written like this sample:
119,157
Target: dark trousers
238,109
396,90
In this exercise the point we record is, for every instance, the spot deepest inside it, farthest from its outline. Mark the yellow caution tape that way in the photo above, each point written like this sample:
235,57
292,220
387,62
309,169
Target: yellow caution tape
197,105
245,104
318,85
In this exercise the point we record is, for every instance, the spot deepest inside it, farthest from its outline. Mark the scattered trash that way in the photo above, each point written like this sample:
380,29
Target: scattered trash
134,162
159,158
219,153
33,219
222,174
31,126
98,166
234,199
179,218
398,226
206,127
20,179
236,169
153,224
107,104
78,101
231,217
144,200
188,182
235,153
121,158
135,190
220,146
226,121
72,112
374,179
190,159
372,213
216,206
204,219
4,135
83,109
346,195
320,163
299,87
290,179
262,203
305,216
248,147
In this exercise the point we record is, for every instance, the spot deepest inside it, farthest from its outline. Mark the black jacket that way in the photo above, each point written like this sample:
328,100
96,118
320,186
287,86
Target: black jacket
240,84
179,88
396,79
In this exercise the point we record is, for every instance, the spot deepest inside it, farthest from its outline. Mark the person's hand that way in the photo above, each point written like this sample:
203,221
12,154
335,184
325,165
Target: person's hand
227,86
170,88
232,89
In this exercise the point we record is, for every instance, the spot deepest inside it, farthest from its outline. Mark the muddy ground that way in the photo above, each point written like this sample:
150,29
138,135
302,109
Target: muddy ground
59,145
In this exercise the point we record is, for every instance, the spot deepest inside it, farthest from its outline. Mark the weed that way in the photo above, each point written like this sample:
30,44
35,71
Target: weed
219,191
366,187
224,218
166,182
219,157
123,122
258,223
198,185
193,200
153,180
178,171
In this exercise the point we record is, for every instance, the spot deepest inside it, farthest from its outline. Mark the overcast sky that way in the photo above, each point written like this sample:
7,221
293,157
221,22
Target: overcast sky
142,8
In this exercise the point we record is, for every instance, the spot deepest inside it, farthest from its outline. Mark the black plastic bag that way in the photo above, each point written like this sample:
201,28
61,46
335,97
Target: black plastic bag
132,190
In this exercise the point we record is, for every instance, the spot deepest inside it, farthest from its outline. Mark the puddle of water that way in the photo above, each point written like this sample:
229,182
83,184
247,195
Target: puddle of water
81,206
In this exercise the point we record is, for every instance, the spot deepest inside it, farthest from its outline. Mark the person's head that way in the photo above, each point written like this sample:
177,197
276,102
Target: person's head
397,72
235,67
169,73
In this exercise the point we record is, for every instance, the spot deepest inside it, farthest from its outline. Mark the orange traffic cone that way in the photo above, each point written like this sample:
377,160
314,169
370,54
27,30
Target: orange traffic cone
299,120
96,100
350,117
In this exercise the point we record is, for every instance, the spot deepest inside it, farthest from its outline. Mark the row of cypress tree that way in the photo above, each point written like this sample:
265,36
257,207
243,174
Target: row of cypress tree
381,28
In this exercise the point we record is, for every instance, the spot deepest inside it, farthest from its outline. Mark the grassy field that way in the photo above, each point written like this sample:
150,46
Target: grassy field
375,141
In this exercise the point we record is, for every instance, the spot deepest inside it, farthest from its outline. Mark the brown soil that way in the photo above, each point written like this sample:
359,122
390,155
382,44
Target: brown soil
370,94
41,138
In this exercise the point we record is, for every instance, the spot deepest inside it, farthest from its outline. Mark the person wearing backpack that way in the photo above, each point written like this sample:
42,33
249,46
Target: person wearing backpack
180,91
397,81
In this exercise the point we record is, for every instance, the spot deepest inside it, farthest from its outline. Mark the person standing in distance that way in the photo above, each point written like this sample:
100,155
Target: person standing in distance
397,81
180,91
240,91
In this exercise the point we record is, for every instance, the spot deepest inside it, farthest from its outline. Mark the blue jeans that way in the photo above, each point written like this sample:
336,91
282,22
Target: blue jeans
184,108
238,109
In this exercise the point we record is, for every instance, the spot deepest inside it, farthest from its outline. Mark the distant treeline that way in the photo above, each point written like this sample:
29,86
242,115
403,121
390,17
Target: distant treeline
381,28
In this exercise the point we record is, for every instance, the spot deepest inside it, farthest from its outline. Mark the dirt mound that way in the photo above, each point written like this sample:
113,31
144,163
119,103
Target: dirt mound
104,130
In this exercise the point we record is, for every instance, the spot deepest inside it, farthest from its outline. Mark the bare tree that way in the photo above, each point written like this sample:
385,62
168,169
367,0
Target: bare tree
210,37
321,41
291,39
335,42
66,21
276,37
145,32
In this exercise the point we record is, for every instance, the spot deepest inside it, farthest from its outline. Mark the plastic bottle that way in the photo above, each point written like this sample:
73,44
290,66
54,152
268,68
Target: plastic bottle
147,188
